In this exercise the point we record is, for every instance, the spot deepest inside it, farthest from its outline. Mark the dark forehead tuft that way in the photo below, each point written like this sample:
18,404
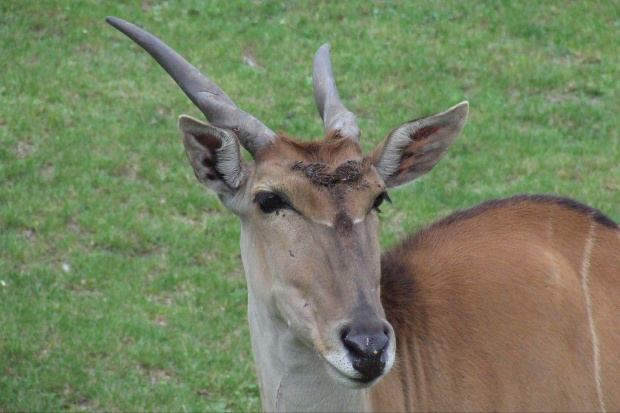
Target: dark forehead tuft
322,174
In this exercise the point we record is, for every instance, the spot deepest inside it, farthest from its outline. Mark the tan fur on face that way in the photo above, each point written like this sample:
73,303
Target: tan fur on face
323,251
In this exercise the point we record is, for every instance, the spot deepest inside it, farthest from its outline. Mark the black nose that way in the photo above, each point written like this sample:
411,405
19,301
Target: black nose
366,350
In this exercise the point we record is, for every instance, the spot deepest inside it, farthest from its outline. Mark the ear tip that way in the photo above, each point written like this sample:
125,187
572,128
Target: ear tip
183,120
186,122
461,108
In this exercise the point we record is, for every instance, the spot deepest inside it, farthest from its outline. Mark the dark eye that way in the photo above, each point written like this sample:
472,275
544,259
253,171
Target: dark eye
269,202
379,200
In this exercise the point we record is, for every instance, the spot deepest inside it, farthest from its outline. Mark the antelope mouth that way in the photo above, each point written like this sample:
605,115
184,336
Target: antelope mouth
354,381
342,368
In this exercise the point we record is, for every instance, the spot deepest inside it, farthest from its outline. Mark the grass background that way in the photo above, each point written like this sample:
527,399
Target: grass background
121,282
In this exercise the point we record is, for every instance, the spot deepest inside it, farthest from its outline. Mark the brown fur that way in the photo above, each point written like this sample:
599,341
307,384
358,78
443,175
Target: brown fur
330,151
489,313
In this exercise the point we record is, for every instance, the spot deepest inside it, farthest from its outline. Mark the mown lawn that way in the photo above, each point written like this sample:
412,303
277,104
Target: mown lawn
121,286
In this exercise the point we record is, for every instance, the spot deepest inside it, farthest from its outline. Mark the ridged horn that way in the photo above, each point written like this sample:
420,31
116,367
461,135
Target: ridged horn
333,112
206,95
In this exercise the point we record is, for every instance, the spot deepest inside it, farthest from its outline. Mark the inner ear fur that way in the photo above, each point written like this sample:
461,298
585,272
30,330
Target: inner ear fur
414,148
214,155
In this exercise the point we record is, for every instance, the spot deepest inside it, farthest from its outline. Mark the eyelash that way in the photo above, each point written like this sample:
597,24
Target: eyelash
383,196
269,202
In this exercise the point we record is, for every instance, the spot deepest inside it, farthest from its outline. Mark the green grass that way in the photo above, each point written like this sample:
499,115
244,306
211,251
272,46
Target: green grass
122,286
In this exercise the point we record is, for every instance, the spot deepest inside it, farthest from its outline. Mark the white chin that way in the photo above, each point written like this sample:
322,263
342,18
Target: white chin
347,381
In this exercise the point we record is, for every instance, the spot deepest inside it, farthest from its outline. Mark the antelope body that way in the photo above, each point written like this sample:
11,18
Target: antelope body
512,305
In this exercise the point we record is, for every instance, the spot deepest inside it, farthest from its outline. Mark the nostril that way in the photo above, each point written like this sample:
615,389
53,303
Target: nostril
365,345
350,343
382,341
386,336
346,341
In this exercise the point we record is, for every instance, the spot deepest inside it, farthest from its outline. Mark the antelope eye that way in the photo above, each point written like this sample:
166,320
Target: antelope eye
269,202
383,196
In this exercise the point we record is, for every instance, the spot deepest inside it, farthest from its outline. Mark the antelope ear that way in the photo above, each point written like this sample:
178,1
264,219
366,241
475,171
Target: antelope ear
413,148
214,155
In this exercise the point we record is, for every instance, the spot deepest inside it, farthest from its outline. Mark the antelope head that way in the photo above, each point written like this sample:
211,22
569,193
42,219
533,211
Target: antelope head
309,210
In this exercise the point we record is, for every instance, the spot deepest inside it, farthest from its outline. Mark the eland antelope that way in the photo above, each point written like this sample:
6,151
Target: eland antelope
511,305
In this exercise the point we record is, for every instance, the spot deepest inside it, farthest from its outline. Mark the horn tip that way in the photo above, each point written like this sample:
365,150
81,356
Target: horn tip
112,20
117,23
326,48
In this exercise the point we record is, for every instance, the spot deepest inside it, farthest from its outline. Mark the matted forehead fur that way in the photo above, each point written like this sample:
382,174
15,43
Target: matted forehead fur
311,173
